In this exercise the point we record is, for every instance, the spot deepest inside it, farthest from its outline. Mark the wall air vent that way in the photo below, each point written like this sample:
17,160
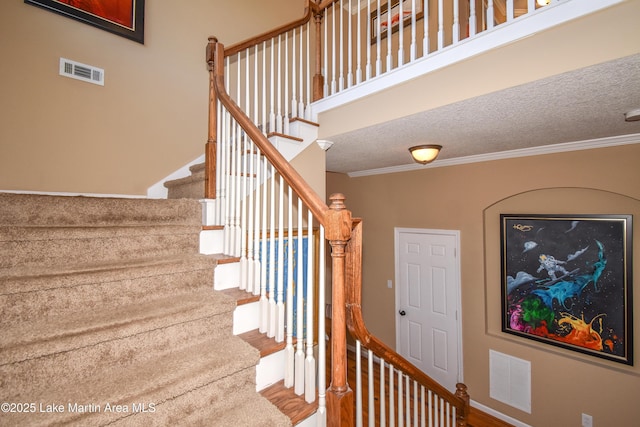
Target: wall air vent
86,73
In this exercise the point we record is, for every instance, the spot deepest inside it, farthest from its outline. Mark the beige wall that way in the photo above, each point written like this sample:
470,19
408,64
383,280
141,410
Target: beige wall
150,118
470,198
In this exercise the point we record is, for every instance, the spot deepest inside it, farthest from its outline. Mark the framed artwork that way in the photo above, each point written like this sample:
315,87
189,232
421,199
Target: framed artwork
382,26
292,243
566,281
122,17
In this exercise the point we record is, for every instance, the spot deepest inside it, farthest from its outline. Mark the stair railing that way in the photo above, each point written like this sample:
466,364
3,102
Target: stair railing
410,397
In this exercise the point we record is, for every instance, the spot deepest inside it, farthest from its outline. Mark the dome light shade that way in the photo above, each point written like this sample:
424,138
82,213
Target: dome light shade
425,153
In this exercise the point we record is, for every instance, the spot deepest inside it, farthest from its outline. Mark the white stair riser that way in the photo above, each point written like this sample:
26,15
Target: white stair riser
211,241
246,318
270,370
226,276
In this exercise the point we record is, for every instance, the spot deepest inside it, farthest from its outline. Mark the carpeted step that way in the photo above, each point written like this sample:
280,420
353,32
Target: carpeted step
190,187
44,293
54,334
227,402
141,382
31,246
20,379
33,209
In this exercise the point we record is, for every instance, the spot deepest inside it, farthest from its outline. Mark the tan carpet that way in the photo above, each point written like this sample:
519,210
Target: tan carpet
108,316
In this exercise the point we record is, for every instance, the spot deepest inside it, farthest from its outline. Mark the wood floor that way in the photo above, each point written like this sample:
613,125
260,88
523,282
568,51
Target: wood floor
298,409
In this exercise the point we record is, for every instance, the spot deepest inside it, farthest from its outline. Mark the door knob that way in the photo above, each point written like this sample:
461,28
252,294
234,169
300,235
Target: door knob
402,312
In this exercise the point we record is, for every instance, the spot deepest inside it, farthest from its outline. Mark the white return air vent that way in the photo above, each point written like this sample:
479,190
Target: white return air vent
86,73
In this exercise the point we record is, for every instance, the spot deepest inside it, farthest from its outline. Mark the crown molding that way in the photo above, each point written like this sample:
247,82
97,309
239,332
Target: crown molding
510,154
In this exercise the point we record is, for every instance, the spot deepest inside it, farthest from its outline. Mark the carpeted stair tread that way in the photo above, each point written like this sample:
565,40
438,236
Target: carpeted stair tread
169,376
28,246
64,333
230,401
36,278
20,209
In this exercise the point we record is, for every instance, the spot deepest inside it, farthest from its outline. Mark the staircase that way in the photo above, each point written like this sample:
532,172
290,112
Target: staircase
270,370
109,317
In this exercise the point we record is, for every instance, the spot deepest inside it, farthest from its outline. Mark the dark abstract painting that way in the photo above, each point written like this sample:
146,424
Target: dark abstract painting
566,281
122,17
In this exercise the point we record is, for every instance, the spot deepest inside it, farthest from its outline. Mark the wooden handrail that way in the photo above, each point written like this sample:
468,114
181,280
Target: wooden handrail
215,59
358,330
239,47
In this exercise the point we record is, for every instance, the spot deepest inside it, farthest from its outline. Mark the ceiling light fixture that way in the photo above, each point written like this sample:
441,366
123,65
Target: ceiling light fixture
543,2
425,153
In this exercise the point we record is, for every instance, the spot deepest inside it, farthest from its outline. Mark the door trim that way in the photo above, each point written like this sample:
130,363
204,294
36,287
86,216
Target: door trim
456,235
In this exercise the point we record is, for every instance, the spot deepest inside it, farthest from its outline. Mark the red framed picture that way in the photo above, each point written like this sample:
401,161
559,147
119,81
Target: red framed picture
122,17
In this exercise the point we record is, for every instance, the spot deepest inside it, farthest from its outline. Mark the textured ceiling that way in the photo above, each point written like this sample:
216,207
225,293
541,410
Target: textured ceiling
577,106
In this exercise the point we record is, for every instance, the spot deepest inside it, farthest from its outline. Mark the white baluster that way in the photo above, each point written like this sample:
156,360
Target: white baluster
325,24
440,24
423,408
349,48
490,17
510,12
250,220
258,254
272,89
383,403
232,188
310,367
219,142
244,269
341,50
413,48
425,24
400,34
472,18
227,185
378,43
238,197
322,342
280,282
368,39
456,22
271,329
289,350
264,90
430,407
294,100
389,33
278,88
307,111
264,256
300,77
407,400
333,50
358,386
371,393
358,48
285,128
392,403
299,357
400,397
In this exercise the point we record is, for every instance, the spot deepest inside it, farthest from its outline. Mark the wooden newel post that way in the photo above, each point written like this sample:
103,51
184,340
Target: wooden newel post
339,395
461,392
211,146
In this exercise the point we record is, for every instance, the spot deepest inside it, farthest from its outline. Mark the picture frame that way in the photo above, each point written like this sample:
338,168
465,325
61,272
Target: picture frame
567,281
122,17
395,17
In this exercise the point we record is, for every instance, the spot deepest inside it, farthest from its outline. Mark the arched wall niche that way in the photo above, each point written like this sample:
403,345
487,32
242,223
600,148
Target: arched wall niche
552,201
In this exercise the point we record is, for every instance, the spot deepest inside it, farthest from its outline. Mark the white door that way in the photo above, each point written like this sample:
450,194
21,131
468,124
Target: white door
428,302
